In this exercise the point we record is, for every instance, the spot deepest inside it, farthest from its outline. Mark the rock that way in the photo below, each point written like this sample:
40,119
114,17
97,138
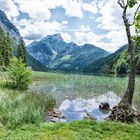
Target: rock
89,117
104,106
55,116
124,114
136,113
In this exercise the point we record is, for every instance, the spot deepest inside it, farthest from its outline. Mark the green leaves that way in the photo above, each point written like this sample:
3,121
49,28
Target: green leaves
132,3
137,23
19,74
136,38
6,51
21,52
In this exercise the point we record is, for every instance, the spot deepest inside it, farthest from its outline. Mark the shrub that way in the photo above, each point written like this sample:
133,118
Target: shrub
19,75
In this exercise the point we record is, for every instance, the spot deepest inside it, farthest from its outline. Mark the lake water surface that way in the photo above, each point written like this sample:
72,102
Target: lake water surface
75,103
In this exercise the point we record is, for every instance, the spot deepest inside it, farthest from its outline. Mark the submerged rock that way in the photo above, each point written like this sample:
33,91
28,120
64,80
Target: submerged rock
55,116
89,117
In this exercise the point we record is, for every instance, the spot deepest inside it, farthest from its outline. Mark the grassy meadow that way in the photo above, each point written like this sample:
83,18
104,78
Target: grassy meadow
22,113
79,130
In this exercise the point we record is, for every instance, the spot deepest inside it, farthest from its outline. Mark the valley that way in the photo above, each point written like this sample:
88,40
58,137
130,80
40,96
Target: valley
65,76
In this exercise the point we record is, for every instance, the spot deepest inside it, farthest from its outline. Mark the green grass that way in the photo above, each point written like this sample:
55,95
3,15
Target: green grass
109,83
21,107
80,130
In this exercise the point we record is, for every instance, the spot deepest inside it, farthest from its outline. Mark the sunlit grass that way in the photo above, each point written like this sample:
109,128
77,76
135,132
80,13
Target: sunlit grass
79,130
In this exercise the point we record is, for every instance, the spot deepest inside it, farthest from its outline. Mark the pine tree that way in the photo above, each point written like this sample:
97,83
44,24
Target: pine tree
21,53
6,51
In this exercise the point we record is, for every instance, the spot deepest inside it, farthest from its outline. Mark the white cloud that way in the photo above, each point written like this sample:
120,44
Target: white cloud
36,9
64,22
66,37
116,39
37,30
72,8
110,18
41,8
9,8
90,8
84,28
90,37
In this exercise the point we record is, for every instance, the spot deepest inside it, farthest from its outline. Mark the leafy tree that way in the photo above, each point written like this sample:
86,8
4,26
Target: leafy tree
122,65
21,53
122,68
132,43
19,74
124,112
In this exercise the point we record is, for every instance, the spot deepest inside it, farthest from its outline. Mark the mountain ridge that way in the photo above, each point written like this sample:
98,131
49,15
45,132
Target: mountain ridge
56,54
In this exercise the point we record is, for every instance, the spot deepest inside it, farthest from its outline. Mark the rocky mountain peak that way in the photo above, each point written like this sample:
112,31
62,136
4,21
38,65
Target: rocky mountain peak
57,37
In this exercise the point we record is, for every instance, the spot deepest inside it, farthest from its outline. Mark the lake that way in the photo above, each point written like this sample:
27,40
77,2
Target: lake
77,94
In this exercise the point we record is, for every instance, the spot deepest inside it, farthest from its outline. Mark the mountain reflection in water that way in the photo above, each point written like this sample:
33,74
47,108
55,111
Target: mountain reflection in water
76,109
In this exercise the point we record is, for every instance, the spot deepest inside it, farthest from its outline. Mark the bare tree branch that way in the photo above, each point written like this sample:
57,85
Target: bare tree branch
122,3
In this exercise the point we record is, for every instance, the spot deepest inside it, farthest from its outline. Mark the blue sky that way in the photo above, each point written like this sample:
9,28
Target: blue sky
82,21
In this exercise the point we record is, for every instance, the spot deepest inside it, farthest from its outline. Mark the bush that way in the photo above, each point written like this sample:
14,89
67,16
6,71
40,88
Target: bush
19,75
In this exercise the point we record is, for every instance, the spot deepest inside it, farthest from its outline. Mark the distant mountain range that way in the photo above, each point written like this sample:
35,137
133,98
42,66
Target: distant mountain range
53,53
56,54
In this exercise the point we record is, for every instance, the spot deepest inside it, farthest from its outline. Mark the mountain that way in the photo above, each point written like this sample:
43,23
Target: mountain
56,54
99,66
8,27
35,64
116,63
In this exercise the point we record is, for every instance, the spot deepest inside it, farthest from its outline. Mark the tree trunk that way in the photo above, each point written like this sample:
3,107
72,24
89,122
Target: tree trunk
124,112
128,96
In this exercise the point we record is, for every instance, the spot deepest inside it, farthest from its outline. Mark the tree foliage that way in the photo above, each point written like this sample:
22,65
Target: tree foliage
19,74
6,51
21,52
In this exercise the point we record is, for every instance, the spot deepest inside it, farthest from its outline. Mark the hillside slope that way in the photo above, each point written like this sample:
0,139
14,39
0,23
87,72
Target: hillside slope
98,66
116,63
